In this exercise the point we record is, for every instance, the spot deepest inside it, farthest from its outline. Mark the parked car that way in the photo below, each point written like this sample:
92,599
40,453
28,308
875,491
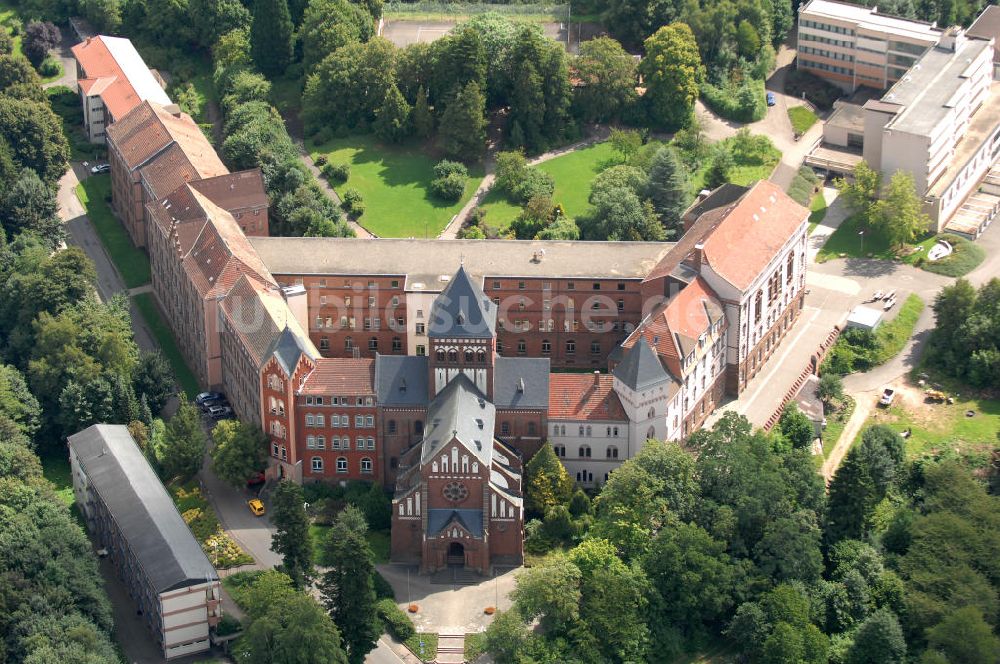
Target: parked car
256,506
220,412
771,99
211,403
100,168
888,394
256,480
208,396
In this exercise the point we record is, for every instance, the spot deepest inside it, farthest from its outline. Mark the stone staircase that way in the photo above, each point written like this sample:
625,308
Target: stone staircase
456,576
809,370
451,648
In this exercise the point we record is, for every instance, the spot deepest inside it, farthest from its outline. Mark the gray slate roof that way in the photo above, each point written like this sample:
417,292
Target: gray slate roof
462,310
167,551
401,380
521,382
461,412
439,519
641,368
288,348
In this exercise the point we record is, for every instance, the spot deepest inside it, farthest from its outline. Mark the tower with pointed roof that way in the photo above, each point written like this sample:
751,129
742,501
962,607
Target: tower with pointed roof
462,335
645,389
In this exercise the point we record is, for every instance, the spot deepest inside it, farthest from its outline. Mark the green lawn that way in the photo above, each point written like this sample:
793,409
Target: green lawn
132,263
818,207
743,172
894,334
845,240
55,468
965,257
424,645
378,540
572,172
165,338
835,423
9,17
802,119
394,182
942,427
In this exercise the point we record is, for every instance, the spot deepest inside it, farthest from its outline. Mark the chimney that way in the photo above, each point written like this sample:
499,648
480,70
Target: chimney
597,378
173,109
695,257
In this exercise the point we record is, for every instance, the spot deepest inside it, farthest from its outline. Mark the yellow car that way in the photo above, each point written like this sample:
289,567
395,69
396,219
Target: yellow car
256,506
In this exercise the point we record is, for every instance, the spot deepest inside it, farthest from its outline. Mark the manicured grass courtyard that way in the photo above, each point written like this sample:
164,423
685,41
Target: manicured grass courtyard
132,263
378,540
168,345
394,182
802,119
573,173
847,241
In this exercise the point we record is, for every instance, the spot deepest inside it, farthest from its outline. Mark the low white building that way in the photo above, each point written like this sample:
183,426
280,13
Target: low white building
133,519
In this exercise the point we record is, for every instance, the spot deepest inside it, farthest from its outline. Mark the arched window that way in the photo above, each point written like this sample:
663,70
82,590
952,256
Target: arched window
585,451
651,414
341,465
560,450
348,343
546,346
453,356
310,442
468,355
588,431
317,464
309,420
612,452
481,357
320,421
373,343
366,465
651,433
439,355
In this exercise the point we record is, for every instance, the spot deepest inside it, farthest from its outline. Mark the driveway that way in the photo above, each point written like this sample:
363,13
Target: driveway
65,56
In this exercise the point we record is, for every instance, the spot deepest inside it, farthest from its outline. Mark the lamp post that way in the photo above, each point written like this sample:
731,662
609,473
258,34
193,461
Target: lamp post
862,234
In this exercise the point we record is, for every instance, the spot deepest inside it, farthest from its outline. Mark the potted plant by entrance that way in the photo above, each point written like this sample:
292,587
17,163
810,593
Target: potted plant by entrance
489,610
413,608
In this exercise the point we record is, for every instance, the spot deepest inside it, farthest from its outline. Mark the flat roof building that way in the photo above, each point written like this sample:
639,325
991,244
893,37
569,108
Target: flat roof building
132,517
853,46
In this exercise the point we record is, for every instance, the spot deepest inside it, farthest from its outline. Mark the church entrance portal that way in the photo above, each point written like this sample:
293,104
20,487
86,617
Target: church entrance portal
456,554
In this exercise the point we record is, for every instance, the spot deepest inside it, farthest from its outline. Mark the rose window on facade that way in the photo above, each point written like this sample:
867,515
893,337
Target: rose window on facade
455,491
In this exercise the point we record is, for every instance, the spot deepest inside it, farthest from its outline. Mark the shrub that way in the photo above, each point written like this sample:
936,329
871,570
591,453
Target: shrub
534,183
39,38
446,167
50,67
965,258
743,102
336,172
320,160
449,188
228,624
396,622
353,202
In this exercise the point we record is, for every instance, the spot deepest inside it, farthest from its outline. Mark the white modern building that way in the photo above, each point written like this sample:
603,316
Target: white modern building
852,46
135,523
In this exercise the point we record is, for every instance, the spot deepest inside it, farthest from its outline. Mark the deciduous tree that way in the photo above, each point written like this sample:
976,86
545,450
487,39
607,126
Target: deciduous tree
547,484
240,451
899,214
184,442
28,204
671,70
607,75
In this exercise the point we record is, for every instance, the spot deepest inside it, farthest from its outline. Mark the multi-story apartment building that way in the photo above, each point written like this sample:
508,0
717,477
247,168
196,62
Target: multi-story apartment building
174,586
113,79
852,45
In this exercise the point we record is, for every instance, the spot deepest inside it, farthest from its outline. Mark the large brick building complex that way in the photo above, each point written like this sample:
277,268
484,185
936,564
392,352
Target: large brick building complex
437,367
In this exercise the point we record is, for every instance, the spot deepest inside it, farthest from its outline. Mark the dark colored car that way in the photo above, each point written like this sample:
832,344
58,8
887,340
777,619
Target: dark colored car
208,396
255,480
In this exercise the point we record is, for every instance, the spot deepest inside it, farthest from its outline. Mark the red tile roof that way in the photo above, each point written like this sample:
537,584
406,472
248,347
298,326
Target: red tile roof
752,232
575,396
341,376
673,329
104,76
149,128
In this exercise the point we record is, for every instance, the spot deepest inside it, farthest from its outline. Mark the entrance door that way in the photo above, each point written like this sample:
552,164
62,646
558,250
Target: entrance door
456,554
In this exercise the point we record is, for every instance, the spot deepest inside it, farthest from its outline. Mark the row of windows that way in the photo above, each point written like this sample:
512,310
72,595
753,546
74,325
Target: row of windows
547,325
347,284
397,344
805,36
338,443
833,55
584,451
316,463
840,30
560,430
521,285
418,427
825,67
340,420
505,429
341,401
470,356
904,47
